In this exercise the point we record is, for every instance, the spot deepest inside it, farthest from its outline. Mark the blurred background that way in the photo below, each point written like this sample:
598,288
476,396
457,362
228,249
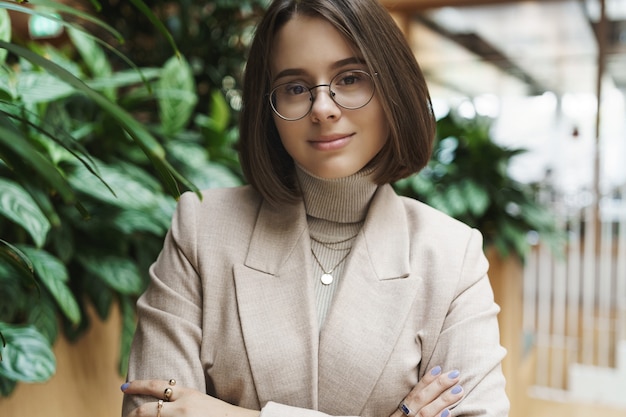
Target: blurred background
110,109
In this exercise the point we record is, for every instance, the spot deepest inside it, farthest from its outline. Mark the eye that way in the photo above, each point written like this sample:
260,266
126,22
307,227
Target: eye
349,78
294,89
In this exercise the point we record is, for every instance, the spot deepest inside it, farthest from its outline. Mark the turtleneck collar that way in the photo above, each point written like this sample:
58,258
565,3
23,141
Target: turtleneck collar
343,200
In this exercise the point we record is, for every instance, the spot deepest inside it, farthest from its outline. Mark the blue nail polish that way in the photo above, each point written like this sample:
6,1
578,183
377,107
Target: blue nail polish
436,370
124,386
457,389
445,413
453,374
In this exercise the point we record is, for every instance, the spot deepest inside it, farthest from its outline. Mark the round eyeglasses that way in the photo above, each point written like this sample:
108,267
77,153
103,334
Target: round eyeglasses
351,90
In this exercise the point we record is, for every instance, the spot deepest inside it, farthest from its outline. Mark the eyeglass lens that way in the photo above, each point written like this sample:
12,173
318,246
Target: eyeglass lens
350,89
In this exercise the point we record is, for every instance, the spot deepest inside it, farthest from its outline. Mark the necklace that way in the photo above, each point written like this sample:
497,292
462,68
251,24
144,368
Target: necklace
327,277
328,245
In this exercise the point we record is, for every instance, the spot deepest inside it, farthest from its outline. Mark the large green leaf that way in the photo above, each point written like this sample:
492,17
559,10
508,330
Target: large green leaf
121,274
129,192
36,87
52,272
18,206
27,356
93,56
177,97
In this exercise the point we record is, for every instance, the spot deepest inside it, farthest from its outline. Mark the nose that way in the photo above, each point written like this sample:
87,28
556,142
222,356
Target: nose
324,107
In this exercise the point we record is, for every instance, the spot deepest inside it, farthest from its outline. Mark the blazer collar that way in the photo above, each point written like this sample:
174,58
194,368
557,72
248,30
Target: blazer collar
277,309
287,352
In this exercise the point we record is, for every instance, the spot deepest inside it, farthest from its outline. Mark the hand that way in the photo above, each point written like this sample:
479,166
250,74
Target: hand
432,395
182,402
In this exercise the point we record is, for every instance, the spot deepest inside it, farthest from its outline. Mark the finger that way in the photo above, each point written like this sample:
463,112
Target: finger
150,409
440,406
157,388
432,385
430,394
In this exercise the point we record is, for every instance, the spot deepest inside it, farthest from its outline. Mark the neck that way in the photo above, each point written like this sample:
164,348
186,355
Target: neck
342,200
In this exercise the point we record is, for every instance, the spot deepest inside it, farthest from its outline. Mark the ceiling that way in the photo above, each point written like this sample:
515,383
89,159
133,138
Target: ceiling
506,47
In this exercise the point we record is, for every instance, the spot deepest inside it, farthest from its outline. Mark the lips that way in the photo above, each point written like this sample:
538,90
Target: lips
331,142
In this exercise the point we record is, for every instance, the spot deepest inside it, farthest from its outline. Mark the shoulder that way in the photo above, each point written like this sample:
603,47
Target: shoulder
442,238
425,217
218,207
231,201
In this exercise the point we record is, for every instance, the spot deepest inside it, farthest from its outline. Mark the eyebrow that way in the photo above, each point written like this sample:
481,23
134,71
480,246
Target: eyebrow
336,65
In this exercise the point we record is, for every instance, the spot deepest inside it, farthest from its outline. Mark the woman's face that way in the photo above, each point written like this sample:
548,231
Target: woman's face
331,141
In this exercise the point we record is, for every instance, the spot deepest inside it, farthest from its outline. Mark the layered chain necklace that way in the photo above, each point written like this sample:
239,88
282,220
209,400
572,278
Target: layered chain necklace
327,278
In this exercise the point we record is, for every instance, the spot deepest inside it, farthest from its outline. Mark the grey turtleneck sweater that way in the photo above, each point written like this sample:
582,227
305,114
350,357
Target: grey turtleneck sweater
336,210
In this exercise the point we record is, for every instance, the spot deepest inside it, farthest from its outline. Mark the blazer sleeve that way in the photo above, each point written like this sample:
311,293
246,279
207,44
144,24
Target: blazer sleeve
168,337
470,339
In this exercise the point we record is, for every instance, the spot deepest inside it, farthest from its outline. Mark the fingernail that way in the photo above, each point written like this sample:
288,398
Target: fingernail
436,370
457,389
445,413
453,374
124,386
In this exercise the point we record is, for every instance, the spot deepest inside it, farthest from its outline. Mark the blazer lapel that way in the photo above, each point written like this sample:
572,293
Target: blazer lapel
277,311
369,310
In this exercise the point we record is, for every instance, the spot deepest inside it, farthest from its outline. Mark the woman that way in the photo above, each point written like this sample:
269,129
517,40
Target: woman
316,290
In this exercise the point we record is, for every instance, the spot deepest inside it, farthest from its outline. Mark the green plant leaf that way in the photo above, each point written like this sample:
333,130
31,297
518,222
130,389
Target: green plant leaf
176,93
6,386
220,111
476,197
93,56
129,193
19,263
121,274
43,315
101,296
129,324
5,32
27,356
52,272
455,200
18,206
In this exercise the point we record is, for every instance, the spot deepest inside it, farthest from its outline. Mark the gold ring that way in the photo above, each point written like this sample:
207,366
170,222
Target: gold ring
167,393
172,382
159,406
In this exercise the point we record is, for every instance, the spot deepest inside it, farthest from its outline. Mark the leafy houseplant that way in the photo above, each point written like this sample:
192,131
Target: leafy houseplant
467,178
90,158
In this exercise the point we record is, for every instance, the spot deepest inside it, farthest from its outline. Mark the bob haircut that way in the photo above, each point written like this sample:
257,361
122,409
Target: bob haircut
400,86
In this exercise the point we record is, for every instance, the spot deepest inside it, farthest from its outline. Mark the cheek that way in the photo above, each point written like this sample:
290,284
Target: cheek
288,132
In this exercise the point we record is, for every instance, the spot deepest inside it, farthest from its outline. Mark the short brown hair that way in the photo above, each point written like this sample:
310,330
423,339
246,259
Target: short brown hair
400,86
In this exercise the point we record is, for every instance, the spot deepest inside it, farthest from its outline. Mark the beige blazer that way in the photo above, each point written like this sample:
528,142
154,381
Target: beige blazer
230,310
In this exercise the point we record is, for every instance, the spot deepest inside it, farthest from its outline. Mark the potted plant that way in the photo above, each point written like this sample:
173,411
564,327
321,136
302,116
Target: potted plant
94,150
467,178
